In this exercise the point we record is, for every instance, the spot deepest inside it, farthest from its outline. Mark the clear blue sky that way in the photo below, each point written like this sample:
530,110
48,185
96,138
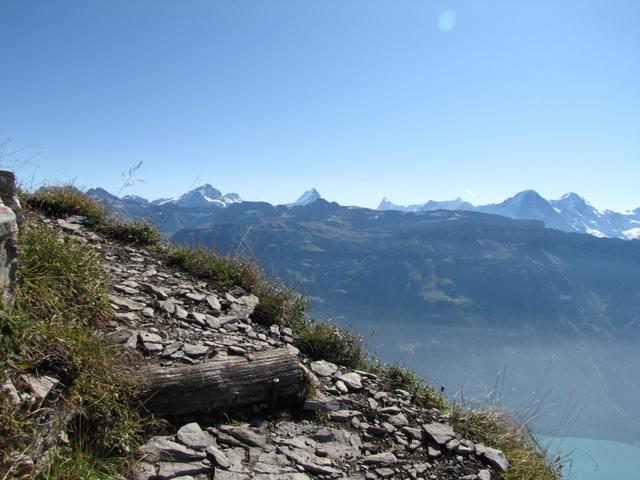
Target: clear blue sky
414,100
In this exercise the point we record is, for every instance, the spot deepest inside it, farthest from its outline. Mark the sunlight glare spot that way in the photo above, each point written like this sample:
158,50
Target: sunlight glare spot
447,20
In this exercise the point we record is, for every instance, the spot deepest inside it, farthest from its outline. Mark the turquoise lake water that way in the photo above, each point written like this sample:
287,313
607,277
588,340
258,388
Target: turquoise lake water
596,459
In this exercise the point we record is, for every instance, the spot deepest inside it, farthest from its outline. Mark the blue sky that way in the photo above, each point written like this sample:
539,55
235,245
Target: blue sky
414,100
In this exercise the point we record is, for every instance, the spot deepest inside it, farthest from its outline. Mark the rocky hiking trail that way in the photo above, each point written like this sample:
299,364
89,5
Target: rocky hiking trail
346,425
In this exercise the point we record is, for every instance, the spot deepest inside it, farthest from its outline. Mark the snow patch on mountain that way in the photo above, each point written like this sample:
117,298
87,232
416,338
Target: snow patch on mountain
632,233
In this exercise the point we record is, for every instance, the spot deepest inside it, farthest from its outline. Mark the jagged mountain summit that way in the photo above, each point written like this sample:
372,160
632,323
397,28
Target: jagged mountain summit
203,196
306,198
569,213
527,205
456,204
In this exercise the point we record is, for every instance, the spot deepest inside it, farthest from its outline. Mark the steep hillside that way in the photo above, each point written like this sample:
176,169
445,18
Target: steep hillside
172,310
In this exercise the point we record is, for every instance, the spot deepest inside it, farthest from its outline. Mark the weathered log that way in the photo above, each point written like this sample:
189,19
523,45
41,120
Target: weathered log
270,376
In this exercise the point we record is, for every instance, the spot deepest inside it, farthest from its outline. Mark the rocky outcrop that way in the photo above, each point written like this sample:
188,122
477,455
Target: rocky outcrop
348,426
9,216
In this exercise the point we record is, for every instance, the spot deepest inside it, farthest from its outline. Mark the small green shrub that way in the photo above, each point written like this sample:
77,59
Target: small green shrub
138,233
61,201
325,341
395,376
216,269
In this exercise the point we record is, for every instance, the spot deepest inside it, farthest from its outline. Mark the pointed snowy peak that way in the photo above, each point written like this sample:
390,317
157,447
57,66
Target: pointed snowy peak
526,197
306,198
571,198
573,204
386,204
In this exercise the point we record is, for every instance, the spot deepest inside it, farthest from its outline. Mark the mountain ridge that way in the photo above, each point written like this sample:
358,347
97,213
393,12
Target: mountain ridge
570,213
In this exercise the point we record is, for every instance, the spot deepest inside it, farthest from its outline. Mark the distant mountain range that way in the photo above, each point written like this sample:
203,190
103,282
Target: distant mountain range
436,261
201,197
570,213
461,288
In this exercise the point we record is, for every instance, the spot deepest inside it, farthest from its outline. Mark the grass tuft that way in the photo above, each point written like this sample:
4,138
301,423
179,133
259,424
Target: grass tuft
494,428
395,376
61,299
64,201
326,341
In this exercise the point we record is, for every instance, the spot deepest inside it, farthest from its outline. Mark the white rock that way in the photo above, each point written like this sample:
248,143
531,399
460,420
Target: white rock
323,368
352,380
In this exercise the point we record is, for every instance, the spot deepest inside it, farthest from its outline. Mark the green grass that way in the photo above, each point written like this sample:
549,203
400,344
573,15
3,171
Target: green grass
326,341
61,300
66,200
395,376
496,429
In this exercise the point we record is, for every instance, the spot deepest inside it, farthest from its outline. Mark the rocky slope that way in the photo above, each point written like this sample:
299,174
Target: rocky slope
348,426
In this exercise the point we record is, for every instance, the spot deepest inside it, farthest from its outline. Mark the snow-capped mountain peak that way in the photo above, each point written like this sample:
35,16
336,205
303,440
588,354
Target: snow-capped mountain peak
204,196
306,198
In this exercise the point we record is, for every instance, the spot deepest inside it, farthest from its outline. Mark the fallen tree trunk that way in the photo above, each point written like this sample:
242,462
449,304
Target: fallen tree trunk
221,384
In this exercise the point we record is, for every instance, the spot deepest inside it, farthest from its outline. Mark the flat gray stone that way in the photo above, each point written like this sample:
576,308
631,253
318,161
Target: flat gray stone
157,292
343,415
385,458
495,458
213,302
192,436
39,386
212,322
398,420
163,449
166,306
126,303
352,380
119,336
149,337
196,297
310,462
218,457
323,368
440,433
484,475
320,402
195,351
199,318
246,436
